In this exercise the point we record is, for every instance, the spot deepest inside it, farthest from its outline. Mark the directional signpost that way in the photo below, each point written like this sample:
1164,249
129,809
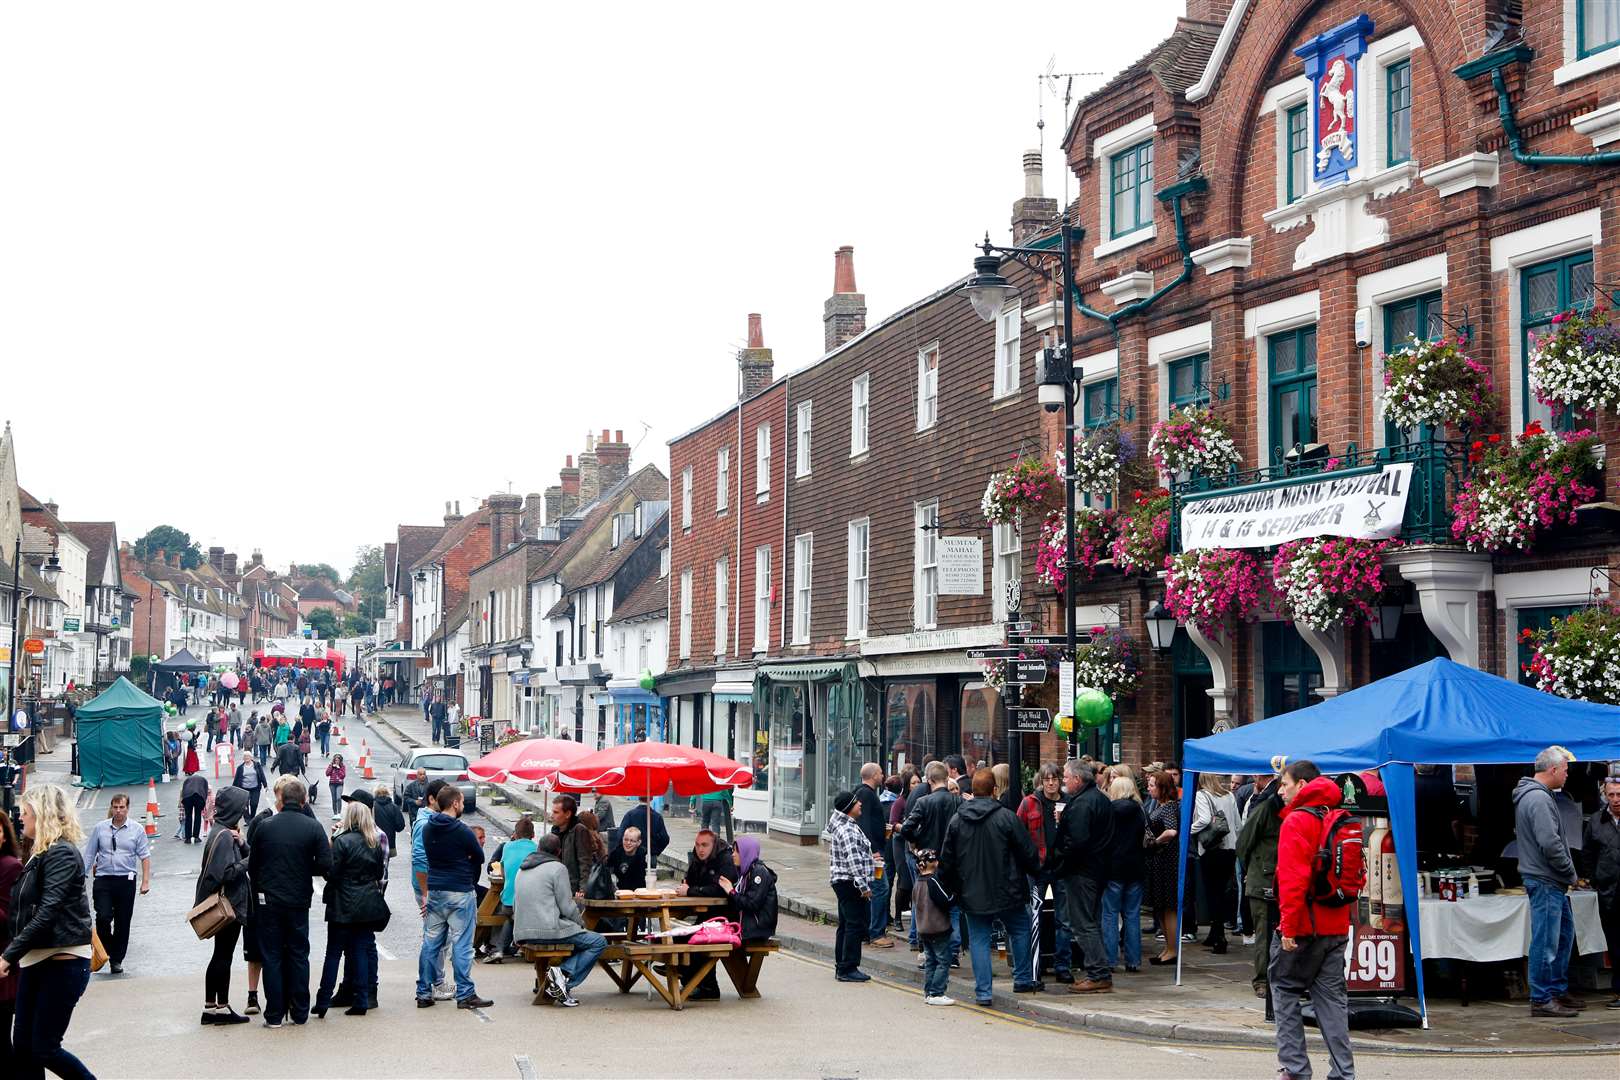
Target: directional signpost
1027,721
1026,672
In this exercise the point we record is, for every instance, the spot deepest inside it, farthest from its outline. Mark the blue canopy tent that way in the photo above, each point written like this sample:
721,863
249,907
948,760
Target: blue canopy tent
1439,713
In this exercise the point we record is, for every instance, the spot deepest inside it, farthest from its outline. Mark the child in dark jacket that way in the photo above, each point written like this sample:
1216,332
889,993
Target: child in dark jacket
933,927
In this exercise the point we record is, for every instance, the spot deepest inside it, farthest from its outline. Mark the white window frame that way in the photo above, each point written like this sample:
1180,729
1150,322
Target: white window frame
859,568
1009,332
722,480
804,552
762,462
1006,564
927,387
1279,100
762,598
686,497
1574,66
686,614
860,412
1103,151
722,603
804,421
925,564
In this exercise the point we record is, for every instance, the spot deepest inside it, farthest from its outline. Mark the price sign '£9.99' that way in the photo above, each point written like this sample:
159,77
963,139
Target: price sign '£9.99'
1375,960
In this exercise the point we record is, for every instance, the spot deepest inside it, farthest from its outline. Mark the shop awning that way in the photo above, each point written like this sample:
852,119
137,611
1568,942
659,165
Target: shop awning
740,693
632,695
823,671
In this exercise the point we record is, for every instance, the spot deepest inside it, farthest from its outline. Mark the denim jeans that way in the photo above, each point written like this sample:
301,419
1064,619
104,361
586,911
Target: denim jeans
1085,922
879,925
588,945
349,945
936,964
1552,933
46,994
326,741
450,916
283,934
1062,943
981,930
1122,902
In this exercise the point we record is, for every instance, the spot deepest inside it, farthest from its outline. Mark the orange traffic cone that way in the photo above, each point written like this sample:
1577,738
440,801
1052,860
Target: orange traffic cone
151,826
152,809
343,737
365,763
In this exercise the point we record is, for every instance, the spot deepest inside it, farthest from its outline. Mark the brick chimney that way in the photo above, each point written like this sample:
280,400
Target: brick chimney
1034,213
505,521
1210,11
590,480
258,558
52,507
844,314
563,499
534,514
755,368
451,517
612,459
230,563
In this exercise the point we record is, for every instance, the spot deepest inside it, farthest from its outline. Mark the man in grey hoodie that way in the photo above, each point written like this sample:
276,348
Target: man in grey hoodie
1548,872
544,912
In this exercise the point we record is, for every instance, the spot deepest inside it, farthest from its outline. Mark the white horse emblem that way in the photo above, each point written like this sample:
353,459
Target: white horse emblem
1339,132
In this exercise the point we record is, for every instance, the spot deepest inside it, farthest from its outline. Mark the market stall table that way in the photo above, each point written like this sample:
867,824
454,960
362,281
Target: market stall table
1490,929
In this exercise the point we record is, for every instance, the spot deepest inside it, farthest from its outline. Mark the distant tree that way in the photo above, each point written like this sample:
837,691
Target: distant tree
323,622
366,582
356,624
325,571
138,670
167,538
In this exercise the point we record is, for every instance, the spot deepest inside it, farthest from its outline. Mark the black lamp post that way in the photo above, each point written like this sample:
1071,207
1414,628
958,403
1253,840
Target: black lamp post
988,291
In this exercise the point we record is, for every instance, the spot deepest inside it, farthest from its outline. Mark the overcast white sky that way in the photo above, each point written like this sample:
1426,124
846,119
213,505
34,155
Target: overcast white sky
400,252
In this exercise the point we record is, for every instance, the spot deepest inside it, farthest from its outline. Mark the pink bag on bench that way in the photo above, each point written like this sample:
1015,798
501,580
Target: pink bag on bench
717,932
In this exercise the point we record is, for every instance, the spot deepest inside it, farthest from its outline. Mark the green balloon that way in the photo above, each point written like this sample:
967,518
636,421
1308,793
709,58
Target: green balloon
1092,708
647,681
191,725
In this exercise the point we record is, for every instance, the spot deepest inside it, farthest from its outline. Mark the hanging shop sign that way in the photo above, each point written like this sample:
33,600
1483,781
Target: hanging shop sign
961,566
33,646
1330,63
1368,505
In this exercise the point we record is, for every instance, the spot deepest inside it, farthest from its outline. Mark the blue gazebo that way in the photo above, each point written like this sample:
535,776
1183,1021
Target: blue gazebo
1439,713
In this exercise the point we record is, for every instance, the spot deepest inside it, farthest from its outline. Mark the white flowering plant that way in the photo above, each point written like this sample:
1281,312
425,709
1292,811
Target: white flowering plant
1325,582
1578,656
1193,439
1108,663
1577,364
1436,383
1099,459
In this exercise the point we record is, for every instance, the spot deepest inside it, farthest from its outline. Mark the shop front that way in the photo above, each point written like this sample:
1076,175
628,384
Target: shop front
934,705
822,726
638,715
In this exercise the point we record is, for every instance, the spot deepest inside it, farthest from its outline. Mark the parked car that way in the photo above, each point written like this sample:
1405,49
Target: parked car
441,764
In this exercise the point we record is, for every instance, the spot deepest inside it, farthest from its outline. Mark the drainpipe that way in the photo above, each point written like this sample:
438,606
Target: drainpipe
1172,197
1494,63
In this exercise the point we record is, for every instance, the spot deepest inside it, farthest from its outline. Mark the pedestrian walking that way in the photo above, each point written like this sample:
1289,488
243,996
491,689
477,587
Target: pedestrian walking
289,762
390,821
1600,856
225,870
1257,852
118,851
236,724
714,811
250,778
987,861
932,904
192,762
356,908
323,731
454,860
928,814
544,912
172,753
1548,871
1040,811
434,712
50,939
336,775
1085,837
11,868
1307,955
285,855
874,823
193,797
415,794
849,871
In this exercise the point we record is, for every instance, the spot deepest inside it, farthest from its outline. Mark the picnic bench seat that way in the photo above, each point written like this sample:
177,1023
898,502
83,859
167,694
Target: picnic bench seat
743,964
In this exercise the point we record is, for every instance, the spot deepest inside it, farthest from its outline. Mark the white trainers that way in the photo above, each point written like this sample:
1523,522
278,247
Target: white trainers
1248,939
922,959
557,986
442,992
939,999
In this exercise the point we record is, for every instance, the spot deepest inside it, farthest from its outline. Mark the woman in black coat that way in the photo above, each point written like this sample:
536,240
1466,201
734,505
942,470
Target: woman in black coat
355,908
224,868
754,893
50,935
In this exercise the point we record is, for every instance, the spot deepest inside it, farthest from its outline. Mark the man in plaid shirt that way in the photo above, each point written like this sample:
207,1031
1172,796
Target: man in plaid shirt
849,869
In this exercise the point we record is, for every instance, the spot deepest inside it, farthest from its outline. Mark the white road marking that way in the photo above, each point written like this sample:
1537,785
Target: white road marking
384,953
525,1067
1181,1053
481,1015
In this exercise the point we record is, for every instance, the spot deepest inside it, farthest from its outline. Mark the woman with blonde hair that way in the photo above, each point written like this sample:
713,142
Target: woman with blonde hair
1127,867
51,942
1215,830
355,906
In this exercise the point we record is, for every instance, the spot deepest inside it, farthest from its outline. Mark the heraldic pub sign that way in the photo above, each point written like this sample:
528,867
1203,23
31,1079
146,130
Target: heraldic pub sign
1330,63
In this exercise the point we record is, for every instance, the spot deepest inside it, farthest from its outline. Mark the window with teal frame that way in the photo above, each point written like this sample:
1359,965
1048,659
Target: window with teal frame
1597,26
1546,289
1291,366
1298,152
1188,380
1293,673
1537,618
1398,111
1417,316
1101,403
1131,172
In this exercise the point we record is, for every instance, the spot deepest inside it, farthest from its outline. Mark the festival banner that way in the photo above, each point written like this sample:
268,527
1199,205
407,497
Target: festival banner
1368,505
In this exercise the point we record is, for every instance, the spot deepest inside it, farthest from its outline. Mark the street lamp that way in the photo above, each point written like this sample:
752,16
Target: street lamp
987,290
1388,622
1161,626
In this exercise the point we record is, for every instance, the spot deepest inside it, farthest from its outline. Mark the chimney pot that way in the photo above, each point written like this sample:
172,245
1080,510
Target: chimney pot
844,314
1033,187
844,270
604,437
756,333
618,436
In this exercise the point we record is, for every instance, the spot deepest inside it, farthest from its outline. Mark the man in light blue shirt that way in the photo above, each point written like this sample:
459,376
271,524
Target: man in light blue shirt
117,848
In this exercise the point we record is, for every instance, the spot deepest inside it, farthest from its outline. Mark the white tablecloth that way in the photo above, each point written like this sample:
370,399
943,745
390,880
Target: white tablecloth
1489,928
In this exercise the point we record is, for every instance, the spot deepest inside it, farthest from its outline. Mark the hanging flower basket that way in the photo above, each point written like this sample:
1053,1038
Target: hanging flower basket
1436,383
1516,490
1214,587
1577,364
1094,532
1325,582
1144,534
1578,656
1108,663
1030,487
1193,440
1099,459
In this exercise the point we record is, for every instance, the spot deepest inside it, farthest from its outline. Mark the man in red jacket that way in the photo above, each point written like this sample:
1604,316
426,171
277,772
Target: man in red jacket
1308,951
